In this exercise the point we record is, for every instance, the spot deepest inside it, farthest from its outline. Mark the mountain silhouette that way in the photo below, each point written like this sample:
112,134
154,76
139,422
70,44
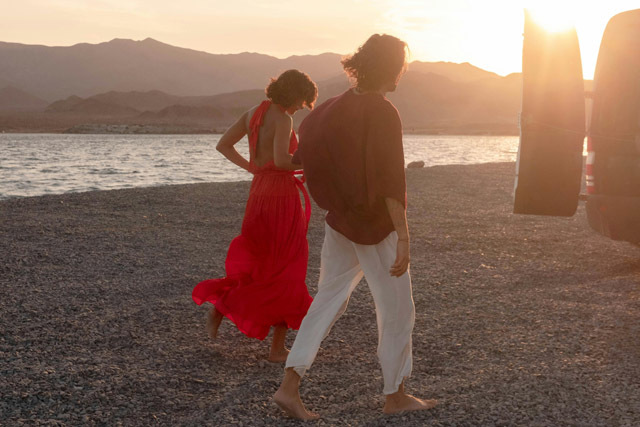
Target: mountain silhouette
54,73
13,99
141,82
464,72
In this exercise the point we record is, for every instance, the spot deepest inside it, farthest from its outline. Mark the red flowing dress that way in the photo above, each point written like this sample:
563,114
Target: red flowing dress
266,264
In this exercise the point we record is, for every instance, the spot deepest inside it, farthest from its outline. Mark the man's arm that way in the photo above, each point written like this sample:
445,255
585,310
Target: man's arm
398,215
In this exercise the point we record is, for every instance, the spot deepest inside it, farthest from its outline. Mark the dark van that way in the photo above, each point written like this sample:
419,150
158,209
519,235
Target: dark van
553,126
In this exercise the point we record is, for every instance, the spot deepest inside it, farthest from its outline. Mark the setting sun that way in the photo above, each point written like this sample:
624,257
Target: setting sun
555,18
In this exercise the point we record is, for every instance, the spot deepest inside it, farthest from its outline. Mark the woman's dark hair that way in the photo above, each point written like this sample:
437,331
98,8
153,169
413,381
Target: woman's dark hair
380,60
291,87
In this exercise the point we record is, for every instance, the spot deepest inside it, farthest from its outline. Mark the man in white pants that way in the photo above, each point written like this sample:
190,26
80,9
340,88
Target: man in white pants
351,151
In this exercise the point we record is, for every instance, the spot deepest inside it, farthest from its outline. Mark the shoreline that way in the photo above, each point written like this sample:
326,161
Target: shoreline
201,132
247,181
519,319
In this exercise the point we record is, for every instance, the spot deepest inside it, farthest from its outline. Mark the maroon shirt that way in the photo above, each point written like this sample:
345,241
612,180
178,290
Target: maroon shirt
351,151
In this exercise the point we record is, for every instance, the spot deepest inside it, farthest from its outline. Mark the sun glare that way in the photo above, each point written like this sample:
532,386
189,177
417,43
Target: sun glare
554,17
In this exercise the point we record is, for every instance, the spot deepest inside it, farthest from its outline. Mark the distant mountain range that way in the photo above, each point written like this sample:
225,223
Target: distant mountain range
122,65
151,83
13,99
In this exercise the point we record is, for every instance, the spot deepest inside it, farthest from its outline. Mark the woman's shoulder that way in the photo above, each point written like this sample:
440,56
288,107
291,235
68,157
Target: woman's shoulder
280,118
251,111
248,116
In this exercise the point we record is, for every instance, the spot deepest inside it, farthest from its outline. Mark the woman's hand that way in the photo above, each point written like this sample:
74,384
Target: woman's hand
251,169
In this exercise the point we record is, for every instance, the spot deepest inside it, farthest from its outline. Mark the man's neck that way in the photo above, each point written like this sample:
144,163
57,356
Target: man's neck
359,91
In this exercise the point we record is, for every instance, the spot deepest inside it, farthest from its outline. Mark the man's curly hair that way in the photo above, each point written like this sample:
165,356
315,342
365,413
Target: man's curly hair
380,60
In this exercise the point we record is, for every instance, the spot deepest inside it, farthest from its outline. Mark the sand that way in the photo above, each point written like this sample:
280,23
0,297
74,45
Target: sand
520,320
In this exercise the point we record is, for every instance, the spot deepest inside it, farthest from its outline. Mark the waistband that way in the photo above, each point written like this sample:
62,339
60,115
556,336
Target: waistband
299,183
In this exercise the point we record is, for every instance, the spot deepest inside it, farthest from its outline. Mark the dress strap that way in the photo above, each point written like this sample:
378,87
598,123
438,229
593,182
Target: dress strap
254,126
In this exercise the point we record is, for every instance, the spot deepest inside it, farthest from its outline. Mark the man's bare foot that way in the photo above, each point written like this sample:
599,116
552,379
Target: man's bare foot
214,318
278,356
406,402
293,406
400,401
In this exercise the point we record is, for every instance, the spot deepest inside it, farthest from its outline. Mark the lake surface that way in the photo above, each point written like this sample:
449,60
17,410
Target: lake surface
37,164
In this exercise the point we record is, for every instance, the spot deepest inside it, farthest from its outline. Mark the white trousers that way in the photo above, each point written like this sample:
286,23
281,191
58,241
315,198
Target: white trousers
342,265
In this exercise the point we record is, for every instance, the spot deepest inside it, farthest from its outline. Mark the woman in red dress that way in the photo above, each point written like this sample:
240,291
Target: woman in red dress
266,264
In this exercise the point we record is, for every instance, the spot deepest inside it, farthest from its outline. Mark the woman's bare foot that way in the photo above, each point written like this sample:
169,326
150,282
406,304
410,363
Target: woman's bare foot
278,356
214,318
288,397
400,401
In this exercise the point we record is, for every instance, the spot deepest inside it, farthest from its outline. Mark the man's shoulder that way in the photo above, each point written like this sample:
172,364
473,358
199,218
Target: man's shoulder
319,113
385,105
331,101
384,110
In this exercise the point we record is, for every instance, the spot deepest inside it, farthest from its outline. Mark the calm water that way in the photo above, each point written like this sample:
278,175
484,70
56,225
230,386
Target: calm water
36,164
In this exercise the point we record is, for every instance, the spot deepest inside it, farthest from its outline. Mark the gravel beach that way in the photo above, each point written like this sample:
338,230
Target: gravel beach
520,320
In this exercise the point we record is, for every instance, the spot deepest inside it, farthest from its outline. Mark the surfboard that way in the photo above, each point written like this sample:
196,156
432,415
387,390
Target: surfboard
552,123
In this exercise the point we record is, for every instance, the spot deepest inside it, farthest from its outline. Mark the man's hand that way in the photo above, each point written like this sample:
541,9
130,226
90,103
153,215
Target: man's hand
398,216
401,264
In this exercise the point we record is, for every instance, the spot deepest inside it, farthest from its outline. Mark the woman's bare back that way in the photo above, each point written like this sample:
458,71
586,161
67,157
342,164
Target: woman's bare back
266,134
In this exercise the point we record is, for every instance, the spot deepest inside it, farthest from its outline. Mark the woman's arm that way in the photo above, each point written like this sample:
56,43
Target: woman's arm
234,134
281,156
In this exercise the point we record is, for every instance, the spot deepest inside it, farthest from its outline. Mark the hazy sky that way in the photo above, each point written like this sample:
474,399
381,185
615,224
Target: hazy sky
486,33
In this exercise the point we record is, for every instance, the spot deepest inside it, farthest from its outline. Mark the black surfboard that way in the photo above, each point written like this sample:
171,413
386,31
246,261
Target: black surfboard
552,123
